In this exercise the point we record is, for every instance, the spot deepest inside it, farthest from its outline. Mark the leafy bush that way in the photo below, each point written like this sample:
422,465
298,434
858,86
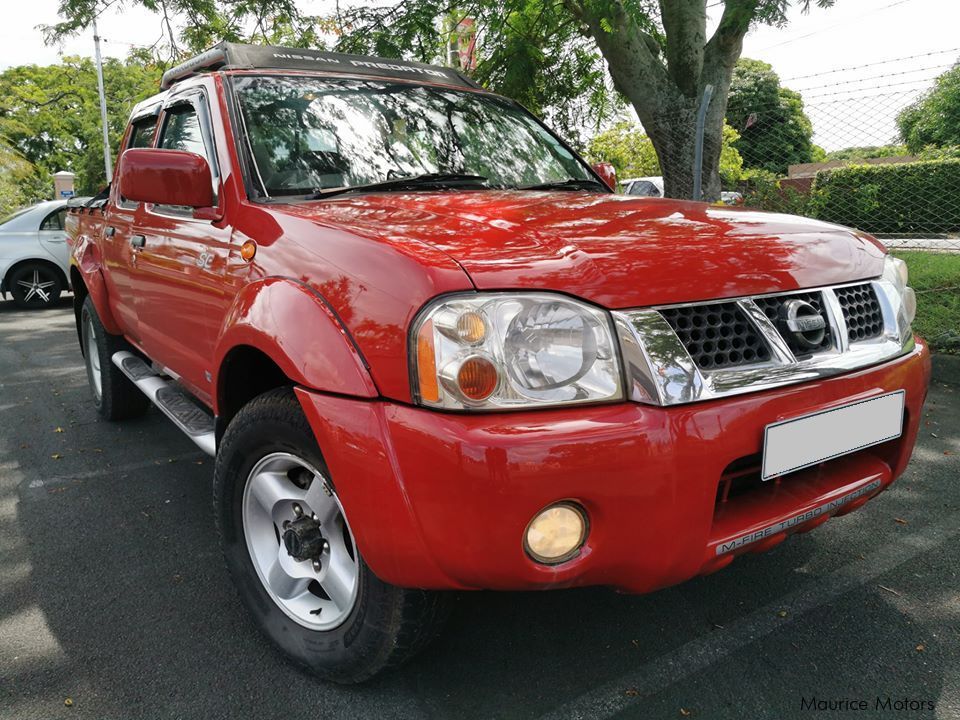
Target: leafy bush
762,190
904,198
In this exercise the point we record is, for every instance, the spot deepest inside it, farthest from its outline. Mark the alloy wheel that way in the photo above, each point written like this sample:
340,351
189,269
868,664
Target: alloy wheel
299,541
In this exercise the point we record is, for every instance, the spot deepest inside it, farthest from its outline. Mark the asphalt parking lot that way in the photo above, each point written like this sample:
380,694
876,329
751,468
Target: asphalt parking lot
114,602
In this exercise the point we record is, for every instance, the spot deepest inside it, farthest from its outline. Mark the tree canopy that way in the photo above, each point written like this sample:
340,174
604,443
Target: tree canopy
50,115
934,120
18,185
774,130
571,60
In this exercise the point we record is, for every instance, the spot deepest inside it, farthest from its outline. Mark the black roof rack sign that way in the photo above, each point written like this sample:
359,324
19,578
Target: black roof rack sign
228,56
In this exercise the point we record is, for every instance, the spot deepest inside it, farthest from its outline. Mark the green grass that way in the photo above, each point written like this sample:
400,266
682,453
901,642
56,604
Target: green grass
936,279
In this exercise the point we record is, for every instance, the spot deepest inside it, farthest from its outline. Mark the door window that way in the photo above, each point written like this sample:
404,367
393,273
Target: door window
141,136
645,188
54,221
183,130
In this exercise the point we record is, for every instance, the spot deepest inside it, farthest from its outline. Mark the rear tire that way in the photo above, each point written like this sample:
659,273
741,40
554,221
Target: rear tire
35,285
379,625
114,395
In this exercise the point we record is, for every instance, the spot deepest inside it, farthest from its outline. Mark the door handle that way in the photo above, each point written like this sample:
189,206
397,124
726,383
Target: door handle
137,242
110,231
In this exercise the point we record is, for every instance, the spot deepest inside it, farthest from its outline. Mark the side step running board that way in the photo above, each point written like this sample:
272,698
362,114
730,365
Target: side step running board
174,402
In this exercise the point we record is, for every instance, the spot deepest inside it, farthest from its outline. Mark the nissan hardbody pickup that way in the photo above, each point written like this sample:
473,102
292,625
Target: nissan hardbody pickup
432,350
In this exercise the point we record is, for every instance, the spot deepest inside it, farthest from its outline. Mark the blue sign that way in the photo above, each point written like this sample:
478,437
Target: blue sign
66,193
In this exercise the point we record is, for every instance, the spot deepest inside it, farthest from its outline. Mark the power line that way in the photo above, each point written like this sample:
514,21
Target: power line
931,68
873,64
830,27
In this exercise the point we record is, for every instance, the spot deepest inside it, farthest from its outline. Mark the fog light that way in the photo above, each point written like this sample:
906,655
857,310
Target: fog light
556,533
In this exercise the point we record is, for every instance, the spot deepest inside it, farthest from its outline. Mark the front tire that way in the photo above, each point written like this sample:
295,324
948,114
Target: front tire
291,553
35,286
114,395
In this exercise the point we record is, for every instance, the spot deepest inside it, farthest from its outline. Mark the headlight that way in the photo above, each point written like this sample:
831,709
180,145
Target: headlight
895,273
499,351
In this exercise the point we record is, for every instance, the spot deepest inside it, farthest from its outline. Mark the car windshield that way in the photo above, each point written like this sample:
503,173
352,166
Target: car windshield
308,134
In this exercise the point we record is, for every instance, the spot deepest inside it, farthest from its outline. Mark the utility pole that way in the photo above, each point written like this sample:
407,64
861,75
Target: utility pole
107,162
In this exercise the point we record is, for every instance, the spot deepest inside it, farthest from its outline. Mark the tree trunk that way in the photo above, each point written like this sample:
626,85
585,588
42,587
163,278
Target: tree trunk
666,97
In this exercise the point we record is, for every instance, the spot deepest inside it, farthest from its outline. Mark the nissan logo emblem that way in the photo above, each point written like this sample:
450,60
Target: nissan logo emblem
803,322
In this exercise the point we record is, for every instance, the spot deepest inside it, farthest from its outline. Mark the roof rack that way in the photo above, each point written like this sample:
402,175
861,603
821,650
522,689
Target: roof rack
228,56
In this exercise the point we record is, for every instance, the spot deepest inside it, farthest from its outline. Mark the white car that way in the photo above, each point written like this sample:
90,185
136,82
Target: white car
644,186
653,187
34,257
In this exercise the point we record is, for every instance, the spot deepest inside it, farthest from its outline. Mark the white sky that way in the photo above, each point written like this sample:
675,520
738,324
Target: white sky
852,33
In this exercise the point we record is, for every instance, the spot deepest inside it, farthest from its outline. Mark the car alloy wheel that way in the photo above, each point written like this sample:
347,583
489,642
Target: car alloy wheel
92,357
38,287
299,541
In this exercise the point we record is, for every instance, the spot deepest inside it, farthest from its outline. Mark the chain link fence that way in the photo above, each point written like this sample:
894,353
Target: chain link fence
860,172
838,153
856,171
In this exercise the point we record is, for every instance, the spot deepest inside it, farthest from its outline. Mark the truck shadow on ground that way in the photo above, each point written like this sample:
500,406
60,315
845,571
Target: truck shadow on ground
119,559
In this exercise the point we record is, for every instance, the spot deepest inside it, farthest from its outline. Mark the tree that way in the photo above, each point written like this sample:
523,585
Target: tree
658,55
866,152
774,130
934,120
18,179
51,115
632,153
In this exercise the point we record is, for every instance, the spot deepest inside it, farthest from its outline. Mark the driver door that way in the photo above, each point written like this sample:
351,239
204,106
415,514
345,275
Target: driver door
181,261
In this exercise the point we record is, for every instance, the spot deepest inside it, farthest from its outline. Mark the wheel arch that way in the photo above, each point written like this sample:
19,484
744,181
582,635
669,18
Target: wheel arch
278,332
244,373
85,273
5,285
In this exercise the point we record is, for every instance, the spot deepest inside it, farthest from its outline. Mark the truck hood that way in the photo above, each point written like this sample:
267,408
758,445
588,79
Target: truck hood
613,250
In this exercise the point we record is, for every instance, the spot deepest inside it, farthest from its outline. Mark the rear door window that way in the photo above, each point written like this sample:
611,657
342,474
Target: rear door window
54,221
141,136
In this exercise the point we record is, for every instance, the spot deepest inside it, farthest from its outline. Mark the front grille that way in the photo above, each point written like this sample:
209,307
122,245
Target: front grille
861,311
771,308
718,335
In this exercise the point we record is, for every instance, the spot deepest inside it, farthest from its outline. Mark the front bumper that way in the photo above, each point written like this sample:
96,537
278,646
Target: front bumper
439,500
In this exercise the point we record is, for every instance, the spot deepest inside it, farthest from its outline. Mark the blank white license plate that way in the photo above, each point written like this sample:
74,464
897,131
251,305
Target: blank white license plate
797,443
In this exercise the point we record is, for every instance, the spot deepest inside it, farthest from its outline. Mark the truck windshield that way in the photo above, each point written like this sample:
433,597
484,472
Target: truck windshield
309,134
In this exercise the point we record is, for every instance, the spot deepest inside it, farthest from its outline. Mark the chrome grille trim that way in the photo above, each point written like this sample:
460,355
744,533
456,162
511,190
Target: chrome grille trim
660,371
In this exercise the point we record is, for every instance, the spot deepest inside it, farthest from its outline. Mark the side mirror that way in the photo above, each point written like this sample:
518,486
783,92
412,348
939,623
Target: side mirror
165,177
607,173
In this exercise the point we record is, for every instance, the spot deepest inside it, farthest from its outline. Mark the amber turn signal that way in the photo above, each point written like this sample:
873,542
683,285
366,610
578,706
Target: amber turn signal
471,328
248,250
427,364
477,378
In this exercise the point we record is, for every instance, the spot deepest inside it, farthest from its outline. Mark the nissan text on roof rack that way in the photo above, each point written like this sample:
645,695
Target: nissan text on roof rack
431,350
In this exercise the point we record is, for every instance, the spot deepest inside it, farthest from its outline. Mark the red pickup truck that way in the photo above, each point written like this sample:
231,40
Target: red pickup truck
432,350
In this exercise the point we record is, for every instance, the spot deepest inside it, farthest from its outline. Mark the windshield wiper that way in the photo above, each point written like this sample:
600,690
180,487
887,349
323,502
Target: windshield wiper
427,180
569,184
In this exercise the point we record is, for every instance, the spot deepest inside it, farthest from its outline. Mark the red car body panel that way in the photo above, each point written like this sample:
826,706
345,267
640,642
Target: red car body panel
611,250
441,500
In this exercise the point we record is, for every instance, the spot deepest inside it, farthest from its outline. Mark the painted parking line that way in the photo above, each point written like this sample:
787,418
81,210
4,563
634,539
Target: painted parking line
696,655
